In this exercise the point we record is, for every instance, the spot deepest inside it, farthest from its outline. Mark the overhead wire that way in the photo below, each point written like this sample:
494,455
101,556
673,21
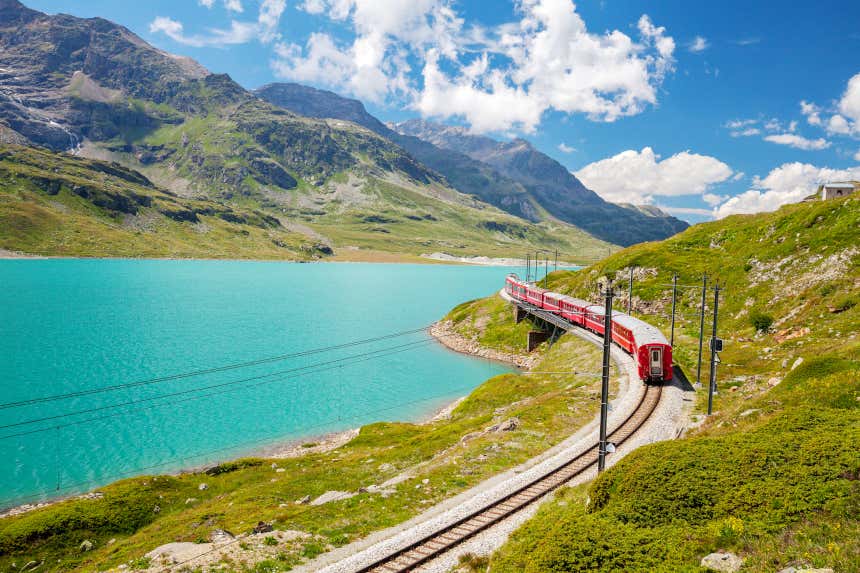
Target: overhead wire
90,391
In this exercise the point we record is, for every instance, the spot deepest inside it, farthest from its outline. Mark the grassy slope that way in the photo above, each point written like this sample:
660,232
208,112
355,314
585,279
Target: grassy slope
775,475
351,186
549,409
53,204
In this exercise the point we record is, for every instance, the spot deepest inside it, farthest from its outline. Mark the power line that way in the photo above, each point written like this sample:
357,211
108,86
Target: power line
277,377
214,370
210,387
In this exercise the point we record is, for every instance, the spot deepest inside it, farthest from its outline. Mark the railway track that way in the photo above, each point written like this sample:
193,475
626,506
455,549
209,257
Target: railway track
445,539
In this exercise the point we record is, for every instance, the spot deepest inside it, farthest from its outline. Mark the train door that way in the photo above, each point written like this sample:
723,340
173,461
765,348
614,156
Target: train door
656,354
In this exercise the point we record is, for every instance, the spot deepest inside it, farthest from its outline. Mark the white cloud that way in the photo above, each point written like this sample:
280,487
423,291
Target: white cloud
797,141
687,211
857,155
748,132
849,105
713,199
811,112
233,5
747,41
264,29
639,176
546,60
698,45
788,183
238,33
564,148
838,125
738,176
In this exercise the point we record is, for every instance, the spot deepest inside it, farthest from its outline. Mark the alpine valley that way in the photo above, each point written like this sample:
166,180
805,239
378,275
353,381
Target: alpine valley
111,147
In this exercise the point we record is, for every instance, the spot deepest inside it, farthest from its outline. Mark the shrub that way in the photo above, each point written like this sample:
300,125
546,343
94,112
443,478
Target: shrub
761,321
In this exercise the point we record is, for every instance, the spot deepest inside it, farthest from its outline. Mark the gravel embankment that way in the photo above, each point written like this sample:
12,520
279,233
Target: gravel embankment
664,424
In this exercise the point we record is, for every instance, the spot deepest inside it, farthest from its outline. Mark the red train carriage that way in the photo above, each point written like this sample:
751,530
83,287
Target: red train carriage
646,344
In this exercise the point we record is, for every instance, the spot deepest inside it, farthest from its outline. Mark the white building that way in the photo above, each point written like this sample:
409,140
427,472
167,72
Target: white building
831,190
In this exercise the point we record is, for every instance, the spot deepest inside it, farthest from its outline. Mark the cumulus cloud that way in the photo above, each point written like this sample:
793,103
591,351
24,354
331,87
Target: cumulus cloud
788,183
698,44
240,32
496,79
844,115
565,148
639,176
857,155
797,141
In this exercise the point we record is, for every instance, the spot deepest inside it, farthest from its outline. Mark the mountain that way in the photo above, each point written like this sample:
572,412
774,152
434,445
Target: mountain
513,176
93,88
553,187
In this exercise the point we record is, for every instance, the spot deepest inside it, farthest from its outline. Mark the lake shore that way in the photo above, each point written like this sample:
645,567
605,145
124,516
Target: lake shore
322,443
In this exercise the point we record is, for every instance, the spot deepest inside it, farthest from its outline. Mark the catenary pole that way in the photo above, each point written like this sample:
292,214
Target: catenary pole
630,292
545,269
555,268
712,383
604,389
701,330
674,297
528,266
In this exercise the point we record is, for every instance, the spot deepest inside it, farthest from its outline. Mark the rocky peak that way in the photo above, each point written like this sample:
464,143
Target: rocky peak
13,13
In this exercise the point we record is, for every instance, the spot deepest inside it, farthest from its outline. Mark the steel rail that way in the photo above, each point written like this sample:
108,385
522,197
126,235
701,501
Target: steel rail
444,539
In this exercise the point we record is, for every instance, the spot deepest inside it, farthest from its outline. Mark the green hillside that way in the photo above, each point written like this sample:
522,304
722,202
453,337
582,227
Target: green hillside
56,204
774,475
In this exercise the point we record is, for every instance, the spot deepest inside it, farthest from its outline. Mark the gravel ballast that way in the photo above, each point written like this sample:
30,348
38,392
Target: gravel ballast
665,423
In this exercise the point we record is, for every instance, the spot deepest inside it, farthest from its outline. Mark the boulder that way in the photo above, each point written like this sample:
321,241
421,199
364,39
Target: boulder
304,500
723,562
220,536
263,527
506,426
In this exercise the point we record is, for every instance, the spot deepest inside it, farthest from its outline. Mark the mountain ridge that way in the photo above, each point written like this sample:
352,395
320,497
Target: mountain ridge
513,176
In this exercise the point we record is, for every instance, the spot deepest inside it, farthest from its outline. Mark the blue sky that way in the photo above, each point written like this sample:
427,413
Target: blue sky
705,109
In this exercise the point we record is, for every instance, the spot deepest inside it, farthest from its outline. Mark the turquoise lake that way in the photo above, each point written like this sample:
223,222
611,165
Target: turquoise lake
71,325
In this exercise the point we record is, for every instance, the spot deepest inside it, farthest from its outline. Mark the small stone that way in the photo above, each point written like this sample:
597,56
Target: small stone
86,545
723,562
304,500
385,467
202,487
190,500
774,381
220,536
111,541
749,412
797,362
274,466
425,481
263,527
156,509
280,470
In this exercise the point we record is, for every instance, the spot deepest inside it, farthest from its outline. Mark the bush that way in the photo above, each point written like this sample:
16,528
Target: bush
761,321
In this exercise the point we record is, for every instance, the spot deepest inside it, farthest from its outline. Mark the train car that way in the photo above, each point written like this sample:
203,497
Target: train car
534,295
573,309
649,347
552,302
514,287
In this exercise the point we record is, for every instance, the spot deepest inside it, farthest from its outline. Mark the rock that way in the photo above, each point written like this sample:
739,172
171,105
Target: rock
156,509
385,467
202,487
724,562
797,362
111,541
774,381
221,536
791,569
86,545
749,412
333,495
179,552
263,527
280,470
190,500
304,500
506,426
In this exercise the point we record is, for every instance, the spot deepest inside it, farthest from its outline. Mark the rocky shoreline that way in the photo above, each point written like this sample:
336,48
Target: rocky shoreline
444,332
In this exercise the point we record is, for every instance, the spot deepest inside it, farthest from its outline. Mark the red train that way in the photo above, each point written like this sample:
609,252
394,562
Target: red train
645,343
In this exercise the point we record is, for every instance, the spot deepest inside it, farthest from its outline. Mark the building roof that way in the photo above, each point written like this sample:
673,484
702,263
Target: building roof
839,185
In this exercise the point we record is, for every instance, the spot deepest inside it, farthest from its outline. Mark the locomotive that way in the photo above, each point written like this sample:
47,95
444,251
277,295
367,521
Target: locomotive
649,348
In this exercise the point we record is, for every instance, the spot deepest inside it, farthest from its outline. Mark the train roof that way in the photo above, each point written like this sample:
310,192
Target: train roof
642,331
